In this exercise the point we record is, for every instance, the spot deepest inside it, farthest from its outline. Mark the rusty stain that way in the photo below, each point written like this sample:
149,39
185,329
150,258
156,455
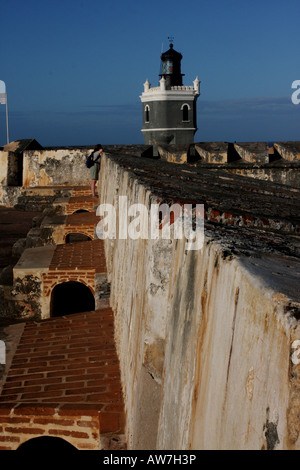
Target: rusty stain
250,383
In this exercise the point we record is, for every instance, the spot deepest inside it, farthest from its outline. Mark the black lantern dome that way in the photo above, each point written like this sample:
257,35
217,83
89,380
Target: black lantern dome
171,67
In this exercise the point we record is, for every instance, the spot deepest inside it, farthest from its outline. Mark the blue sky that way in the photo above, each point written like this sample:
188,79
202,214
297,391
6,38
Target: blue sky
74,69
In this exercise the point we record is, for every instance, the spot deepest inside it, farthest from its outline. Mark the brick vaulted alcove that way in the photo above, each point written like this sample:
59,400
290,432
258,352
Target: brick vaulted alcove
53,270
71,297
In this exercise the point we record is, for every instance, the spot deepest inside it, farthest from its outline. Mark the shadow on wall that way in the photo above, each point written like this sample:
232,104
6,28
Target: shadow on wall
71,297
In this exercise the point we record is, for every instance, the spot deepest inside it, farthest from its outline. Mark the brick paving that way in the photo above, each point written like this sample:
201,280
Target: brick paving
64,379
63,366
87,254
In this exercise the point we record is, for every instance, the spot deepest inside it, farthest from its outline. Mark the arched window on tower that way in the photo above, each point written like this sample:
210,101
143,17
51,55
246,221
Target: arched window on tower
185,112
147,113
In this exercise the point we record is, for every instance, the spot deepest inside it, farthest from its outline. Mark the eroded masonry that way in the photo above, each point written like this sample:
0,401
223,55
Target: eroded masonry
141,343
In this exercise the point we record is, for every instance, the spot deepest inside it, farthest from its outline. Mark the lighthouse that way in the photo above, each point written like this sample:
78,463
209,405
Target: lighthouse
169,110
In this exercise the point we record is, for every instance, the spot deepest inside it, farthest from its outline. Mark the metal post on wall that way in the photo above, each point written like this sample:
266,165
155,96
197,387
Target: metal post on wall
7,132
3,100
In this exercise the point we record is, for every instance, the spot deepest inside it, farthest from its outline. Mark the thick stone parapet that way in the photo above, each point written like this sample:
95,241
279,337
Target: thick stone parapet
206,338
229,199
253,152
288,150
213,152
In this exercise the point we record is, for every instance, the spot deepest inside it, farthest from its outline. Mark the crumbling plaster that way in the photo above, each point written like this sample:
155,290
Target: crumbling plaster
55,167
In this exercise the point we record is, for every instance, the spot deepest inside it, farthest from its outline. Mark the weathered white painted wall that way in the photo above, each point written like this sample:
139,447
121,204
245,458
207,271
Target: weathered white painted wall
204,340
227,360
3,166
3,172
139,273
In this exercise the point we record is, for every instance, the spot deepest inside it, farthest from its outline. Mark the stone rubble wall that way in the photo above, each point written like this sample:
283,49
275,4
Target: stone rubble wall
204,339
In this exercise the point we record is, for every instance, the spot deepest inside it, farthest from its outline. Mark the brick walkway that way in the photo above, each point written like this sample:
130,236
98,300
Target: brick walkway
64,381
76,203
83,222
87,254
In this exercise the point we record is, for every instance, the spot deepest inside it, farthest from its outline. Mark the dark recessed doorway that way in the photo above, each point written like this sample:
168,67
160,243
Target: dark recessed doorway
38,444
71,297
77,237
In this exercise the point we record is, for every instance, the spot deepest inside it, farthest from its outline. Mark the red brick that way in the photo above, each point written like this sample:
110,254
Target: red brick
22,390
10,419
9,439
96,383
32,370
103,397
14,372
109,422
69,374
10,398
80,410
85,446
114,407
25,430
59,432
60,422
85,424
84,390
43,381
63,386
46,358
13,384
63,399
30,409
27,377
40,365
5,409
52,393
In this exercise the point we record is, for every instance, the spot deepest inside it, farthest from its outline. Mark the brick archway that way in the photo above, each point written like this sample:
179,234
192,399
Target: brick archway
46,443
80,211
77,235
54,277
71,297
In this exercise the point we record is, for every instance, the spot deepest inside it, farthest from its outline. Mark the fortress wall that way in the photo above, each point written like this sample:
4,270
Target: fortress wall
227,370
280,175
3,170
139,274
8,194
55,167
204,339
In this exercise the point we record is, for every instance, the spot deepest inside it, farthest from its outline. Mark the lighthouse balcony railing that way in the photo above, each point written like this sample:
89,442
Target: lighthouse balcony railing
173,88
182,88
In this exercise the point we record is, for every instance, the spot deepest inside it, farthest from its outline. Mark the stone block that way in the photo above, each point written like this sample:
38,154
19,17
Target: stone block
173,153
213,152
288,150
253,152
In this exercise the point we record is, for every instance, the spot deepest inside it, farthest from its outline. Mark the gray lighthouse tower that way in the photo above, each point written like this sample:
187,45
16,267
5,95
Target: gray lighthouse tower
169,110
